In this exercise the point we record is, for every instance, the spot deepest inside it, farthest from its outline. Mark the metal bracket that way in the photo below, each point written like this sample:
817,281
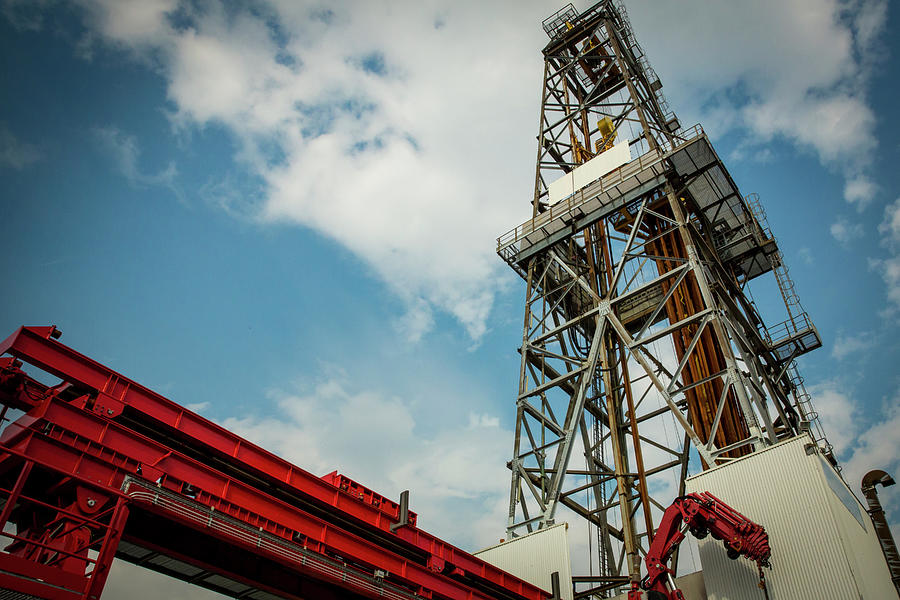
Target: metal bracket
404,512
554,585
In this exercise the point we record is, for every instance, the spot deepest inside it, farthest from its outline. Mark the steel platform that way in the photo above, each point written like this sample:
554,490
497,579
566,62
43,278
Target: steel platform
740,240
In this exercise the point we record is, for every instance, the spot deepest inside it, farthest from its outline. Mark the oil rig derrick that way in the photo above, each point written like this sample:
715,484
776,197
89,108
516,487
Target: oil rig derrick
641,349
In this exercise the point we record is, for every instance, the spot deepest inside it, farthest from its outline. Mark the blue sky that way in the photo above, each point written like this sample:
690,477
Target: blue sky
284,213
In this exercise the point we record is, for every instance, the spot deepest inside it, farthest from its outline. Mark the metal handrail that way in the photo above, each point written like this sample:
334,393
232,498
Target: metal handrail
219,521
787,329
612,179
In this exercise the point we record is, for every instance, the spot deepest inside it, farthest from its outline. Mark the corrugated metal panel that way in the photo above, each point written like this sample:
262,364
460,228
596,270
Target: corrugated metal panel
172,564
534,557
819,548
226,584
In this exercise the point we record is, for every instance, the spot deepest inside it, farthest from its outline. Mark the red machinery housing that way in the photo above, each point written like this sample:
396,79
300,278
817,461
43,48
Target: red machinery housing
703,514
98,467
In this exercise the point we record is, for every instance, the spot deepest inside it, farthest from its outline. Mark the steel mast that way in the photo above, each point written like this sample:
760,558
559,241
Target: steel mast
641,347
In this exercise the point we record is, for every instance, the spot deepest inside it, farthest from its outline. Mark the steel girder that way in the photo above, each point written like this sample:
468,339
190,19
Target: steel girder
99,463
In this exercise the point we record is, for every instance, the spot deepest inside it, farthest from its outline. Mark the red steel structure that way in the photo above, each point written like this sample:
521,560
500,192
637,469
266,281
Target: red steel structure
98,466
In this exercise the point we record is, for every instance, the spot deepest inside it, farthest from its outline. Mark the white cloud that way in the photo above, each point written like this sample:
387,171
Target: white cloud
135,24
860,191
752,152
456,474
197,406
795,70
890,226
863,440
845,345
869,23
845,232
14,153
889,270
134,20
124,150
836,127
415,165
417,321
25,15
838,413
236,197
806,255
878,447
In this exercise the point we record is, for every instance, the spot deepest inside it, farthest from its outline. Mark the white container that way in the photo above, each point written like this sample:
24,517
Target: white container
533,557
822,539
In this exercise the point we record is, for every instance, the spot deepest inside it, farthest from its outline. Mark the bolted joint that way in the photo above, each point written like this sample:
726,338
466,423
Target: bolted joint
604,308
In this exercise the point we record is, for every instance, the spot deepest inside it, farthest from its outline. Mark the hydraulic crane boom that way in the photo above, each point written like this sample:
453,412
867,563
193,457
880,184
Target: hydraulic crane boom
703,514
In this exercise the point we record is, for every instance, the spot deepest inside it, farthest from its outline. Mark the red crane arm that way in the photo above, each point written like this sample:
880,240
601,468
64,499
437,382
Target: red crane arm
703,514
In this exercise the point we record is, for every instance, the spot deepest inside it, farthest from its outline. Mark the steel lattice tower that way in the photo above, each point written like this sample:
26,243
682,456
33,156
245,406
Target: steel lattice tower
640,342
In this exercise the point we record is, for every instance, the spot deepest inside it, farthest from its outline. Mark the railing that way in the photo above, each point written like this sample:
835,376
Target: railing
555,24
612,179
759,214
638,51
236,530
51,547
780,332
797,322
803,402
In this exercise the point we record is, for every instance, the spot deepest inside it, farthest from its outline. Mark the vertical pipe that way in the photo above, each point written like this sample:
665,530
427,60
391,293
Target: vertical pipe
882,529
606,245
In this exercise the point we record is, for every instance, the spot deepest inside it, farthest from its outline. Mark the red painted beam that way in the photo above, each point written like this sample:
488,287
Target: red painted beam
361,492
298,559
114,391
87,445
40,581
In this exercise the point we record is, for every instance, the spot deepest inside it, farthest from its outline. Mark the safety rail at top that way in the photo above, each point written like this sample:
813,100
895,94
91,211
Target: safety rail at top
611,179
